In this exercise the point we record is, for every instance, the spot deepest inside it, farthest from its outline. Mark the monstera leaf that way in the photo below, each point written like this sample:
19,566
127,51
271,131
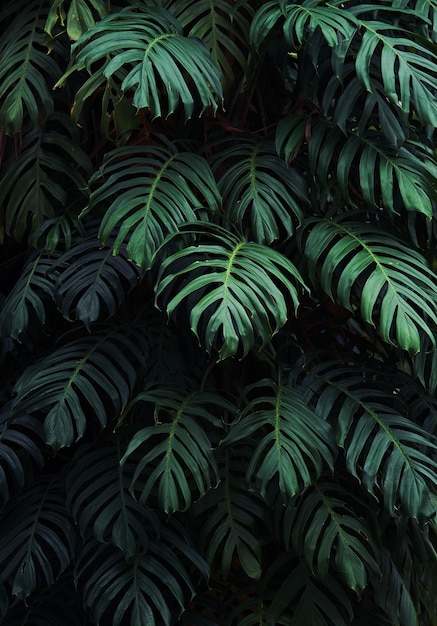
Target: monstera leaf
326,532
365,165
28,295
259,189
301,599
91,282
151,191
388,282
103,504
223,28
237,291
177,458
291,444
144,51
27,72
37,538
36,183
84,379
78,18
146,590
21,443
385,449
231,521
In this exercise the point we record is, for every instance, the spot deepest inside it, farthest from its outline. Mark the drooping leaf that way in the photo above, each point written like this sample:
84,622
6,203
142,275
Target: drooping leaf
292,442
259,189
99,500
363,163
36,183
222,26
392,594
78,18
405,61
91,283
328,534
145,52
83,380
37,538
50,607
177,459
238,292
146,590
231,521
362,267
21,443
28,295
301,21
384,449
27,72
303,599
151,190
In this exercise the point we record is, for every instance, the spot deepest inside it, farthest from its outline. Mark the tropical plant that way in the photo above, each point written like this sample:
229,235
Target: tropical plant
218,312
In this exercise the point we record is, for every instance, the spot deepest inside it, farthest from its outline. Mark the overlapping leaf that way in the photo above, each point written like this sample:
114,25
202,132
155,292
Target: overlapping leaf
232,521
36,183
99,501
145,590
238,292
37,538
363,268
365,165
92,282
78,18
292,442
83,380
151,191
27,298
177,459
385,449
161,66
301,599
223,27
27,72
326,533
21,443
259,189
406,62
302,21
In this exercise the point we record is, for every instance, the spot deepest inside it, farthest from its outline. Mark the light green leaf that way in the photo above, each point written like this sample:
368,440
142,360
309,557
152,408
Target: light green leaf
393,457
78,18
238,292
405,62
361,266
145,52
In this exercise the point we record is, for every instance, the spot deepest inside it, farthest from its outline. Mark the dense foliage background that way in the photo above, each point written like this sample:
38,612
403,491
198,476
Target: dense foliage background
218,312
